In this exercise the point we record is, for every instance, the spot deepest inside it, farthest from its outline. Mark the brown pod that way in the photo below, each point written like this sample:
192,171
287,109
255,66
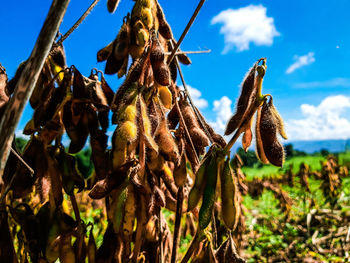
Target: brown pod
164,27
198,136
173,118
268,130
113,65
11,85
166,141
216,137
3,81
162,74
77,133
105,52
124,68
109,93
259,146
279,121
173,71
159,196
154,116
247,136
191,155
157,54
79,87
99,154
112,5
248,88
180,172
58,55
116,60
102,188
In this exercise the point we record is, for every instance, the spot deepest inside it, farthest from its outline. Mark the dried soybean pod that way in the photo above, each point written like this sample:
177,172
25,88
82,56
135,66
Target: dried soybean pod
105,52
248,88
166,141
107,91
205,212
198,136
3,81
230,208
120,50
279,120
215,136
164,27
173,118
160,68
112,5
91,248
268,130
180,172
247,136
259,146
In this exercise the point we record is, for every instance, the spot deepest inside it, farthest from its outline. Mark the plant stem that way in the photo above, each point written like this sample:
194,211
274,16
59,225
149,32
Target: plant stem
189,24
79,21
188,52
177,227
28,78
75,208
193,246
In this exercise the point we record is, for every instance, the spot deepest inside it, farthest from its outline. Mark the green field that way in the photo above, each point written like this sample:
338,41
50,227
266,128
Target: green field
270,233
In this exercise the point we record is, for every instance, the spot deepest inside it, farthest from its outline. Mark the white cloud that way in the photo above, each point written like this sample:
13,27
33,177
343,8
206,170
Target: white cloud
199,102
322,122
336,82
223,111
301,61
244,25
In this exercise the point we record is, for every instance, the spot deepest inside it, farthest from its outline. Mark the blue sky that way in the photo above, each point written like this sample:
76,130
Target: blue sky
306,44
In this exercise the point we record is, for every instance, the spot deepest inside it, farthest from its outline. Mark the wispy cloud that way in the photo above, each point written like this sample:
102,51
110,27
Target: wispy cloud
245,25
301,61
336,82
196,95
324,121
222,108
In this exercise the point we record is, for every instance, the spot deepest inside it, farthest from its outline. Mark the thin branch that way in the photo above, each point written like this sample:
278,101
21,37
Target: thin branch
75,208
28,78
177,227
189,52
186,30
22,161
79,21
199,117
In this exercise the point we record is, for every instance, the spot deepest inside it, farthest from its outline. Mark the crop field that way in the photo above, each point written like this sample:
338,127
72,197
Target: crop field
122,165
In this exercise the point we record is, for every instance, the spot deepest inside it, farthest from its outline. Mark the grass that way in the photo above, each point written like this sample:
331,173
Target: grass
314,161
272,232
